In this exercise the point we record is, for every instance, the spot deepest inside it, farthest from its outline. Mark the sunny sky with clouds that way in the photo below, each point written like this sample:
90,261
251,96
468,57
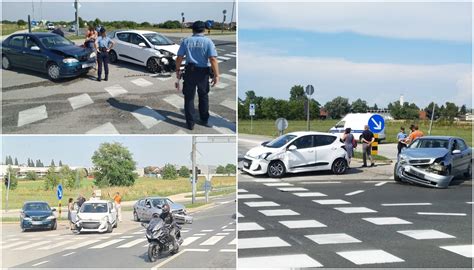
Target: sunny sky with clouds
375,51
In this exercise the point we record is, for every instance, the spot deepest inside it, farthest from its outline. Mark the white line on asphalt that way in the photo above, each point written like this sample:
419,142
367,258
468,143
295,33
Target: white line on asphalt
228,250
141,232
40,263
425,234
158,266
197,249
387,221
229,77
106,244
266,180
148,117
67,254
221,85
207,230
369,256
233,70
278,184
228,230
404,204
212,240
230,55
32,245
188,240
126,236
225,226
249,226
298,224
185,231
132,243
239,215
381,184
333,238
331,201
223,233
262,242
106,128
233,242
294,261
249,196
141,82
279,212
229,104
261,204
223,58
115,90
463,250
289,189
441,214
14,244
80,101
199,234
32,115
355,210
241,190
469,202
354,192
321,182
82,244
219,61
56,245
309,194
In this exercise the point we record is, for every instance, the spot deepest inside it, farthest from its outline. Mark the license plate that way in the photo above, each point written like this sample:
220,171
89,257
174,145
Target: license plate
87,65
37,223
246,164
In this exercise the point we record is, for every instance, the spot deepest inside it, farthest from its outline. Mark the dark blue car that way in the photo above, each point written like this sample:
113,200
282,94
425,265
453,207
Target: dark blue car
47,52
37,215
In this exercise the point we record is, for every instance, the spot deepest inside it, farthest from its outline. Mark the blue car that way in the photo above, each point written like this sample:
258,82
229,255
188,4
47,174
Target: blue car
48,53
37,215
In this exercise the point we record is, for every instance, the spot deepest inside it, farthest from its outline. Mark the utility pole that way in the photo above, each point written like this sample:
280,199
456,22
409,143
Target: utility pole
76,6
8,190
193,157
223,20
33,9
182,21
232,15
432,117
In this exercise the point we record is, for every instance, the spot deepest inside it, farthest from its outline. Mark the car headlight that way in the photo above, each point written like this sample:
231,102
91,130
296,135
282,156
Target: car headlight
438,167
402,159
51,217
263,156
92,55
27,218
104,219
70,60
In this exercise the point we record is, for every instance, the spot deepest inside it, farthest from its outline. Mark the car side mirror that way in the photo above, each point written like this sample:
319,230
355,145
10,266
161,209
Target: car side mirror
159,206
292,147
264,143
35,48
148,205
53,209
456,152
141,44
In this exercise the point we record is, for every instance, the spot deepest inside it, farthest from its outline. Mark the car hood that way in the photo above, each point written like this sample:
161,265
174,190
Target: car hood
177,206
74,51
170,48
31,213
91,216
256,151
425,152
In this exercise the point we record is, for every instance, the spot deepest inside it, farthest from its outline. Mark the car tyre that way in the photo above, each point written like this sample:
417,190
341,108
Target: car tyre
152,65
55,226
116,224
113,58
23,229
6,64
109,227
396,177
339,166
135,216
468,173
53,71
276,169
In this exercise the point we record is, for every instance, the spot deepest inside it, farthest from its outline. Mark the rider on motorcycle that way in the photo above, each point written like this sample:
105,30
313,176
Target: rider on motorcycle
169,221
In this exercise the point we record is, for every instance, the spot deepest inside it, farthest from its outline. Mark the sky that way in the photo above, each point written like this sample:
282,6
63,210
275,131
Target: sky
139,11
146,150
373,51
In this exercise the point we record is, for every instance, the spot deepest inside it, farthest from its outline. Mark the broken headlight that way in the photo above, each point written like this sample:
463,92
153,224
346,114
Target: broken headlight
438,167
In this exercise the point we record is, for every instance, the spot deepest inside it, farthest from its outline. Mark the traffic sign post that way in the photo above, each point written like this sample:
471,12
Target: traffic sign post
252,114
207,188
376,125
309,92
59,195
281,124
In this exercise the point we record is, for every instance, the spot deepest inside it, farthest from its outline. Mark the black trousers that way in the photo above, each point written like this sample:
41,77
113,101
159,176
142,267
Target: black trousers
400,146
103,58
196,78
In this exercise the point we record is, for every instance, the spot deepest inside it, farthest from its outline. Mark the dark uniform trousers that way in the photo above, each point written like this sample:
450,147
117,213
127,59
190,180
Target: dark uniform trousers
196,77
103,57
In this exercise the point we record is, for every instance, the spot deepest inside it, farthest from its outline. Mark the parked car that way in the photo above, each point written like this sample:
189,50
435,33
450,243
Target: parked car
297,152
72,29
355,121
144,209
96,216
37,215
50,26
434,161
46,52
150,49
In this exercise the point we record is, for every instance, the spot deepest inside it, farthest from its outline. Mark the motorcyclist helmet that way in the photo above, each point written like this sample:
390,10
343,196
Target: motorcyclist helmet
165,208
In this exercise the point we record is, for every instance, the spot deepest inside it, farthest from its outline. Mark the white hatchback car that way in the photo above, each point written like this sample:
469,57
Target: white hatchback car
146,48
96,216
297,152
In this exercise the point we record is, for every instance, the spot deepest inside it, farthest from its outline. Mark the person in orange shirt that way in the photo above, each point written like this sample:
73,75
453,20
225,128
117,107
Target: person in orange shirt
414,135
118,206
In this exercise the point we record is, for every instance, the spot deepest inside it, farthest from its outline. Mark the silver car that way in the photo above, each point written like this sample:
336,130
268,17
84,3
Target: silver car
434,161
144,209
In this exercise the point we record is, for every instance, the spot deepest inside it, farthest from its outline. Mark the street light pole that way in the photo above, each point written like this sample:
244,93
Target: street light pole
432,117
232,15
182,21
8,190
223,20
76,6
193,157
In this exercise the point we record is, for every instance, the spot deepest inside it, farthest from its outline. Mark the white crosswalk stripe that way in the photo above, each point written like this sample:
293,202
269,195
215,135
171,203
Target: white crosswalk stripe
108,243
106,128
32,115
188,240
334,238
36,244
148,117
230,55
223,58
229,77
355,210
212,240
132,243
56,245
361,257
14,244
387,221
331,201
233,70
233,242
249,226
278,184
288,189
298,224
249,196
80,101
463,250
293,261
82,244
261,204
141,82
116,90
309,194
279,212
425,234
261,242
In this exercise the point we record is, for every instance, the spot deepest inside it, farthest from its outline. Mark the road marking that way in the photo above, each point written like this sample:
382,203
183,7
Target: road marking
126,236
140,232
261,204
249,196
14,244
230,55
249,226
233,242
333,238
142,82
441,214
229,104
223,58
321,182
212,240
309,194
228,250
279,261
32,245
148,117
266,181
404,204
463,250
106,128
299,224
225,226
228,77
426,234
82,244
132,243
32,115
180,131
56,245
115,90
106,244
207,230
199,234
239,214
331,201
40,263
279,212
288,189
233,70
369,256
221,85
67,254
241,190
158,266
381,184
80,101
219,61
188,240
228,230
355,210
469,202
262,242
278,184
387,221
197,249
223,233
354,192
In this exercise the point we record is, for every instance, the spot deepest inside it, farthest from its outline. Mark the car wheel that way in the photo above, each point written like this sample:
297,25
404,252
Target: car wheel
116,223
113,57
468,173
109,227
55,226
396,177
53,71
339,166
276,169
23,229
135,216
6,62
153,66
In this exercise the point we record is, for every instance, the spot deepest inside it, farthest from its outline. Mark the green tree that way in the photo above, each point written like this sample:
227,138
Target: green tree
60,163
13,179
51,179
145,24
463,110
169,172
52,163
21,22
184,172
359,106
31,175
230,169
338,107
68,176
16,161
220,169
97,22
407,111
429,110
450,111
81,22
113,165
297,93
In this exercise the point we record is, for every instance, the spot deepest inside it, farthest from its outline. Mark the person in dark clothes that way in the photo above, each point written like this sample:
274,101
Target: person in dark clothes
367,140
103,45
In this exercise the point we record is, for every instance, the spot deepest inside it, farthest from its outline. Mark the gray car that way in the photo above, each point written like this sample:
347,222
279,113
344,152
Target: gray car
434,161
144,209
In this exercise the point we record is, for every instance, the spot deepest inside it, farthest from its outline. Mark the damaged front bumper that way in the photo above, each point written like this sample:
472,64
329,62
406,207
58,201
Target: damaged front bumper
423,177
255,166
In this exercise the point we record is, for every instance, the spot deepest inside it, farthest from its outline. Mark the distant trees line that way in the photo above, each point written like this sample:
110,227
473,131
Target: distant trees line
30,163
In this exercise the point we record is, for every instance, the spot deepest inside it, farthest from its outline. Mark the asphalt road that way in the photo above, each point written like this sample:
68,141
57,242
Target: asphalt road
208,243
133,101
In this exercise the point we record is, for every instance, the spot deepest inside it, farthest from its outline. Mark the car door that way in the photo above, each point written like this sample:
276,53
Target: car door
139,208
303,157
34,59
137,53
464,158
324,150
122,45
16,45
147,212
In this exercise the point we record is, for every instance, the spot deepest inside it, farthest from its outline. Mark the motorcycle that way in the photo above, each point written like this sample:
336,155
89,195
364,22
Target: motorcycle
159,240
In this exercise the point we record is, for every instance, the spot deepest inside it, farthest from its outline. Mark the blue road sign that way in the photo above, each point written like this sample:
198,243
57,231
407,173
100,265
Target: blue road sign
59,192
376,123
207,185
209,24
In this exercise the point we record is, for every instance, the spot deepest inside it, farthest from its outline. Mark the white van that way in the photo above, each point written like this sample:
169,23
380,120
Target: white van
355,121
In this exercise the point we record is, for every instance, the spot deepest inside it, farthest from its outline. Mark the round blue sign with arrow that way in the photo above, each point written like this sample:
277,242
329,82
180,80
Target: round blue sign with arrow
59,192
376,123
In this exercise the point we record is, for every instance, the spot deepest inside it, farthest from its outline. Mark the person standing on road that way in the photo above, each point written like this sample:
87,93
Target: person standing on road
349,142
201,64
416,133
118,206
91,36
401,136
367,140
70,208
80,200
103,45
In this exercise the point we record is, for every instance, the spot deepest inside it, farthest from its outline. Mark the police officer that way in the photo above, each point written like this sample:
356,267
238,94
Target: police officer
168,219
201,59
103,46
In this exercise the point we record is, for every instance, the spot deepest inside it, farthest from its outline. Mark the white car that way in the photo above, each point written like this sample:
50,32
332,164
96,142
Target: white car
297,152
357,122
146,48
50,26
96,216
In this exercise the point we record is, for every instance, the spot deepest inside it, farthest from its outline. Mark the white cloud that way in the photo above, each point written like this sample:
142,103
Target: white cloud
438,21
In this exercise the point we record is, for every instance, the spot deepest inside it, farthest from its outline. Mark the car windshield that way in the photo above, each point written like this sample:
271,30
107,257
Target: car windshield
340,124
280,141
157,39
37,207
54,41
94,208
157,202
430,143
